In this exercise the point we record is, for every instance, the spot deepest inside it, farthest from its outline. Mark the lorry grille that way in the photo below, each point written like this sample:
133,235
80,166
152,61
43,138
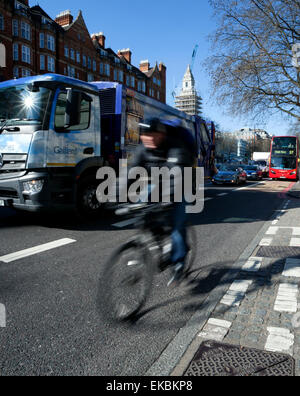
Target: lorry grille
108,101
8,193
13,163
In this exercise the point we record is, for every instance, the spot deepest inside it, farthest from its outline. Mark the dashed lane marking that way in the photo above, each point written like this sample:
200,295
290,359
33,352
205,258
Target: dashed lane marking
35,250
125,223
2,316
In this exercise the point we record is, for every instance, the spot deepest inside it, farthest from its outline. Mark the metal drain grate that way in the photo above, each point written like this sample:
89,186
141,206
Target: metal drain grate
214,359
281,252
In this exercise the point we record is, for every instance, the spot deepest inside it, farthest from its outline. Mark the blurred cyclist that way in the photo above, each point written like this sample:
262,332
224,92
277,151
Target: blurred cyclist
165,143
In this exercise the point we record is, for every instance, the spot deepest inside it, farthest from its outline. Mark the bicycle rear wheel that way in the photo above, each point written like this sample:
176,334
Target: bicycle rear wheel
126,282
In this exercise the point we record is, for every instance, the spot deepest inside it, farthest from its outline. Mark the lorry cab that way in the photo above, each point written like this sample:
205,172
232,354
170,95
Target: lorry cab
50,143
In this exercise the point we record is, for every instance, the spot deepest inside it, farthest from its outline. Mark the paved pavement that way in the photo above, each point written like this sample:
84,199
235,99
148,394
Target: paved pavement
261,307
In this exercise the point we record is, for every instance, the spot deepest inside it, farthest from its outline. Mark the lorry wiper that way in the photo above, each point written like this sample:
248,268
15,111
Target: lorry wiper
5,126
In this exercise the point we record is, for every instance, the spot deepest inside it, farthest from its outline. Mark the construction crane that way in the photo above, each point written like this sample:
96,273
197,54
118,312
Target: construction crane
194,57
192,63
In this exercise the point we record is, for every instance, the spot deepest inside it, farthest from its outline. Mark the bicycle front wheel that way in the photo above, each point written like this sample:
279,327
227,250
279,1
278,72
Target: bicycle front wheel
126,282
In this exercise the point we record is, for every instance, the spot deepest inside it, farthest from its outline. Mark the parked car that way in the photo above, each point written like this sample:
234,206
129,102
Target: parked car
230,174
253,172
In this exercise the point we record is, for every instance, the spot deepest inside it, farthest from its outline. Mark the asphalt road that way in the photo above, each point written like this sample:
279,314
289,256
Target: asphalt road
53,326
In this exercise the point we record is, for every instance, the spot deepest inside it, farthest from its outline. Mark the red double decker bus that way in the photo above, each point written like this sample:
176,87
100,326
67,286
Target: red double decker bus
284,158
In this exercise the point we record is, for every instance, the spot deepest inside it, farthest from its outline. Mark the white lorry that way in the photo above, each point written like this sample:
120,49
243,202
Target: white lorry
262,160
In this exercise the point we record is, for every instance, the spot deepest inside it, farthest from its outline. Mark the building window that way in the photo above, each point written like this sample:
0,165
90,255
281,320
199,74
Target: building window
133,82
1,22
16,52
26,73
90,77
89,63
128,81
26,55
94,65
51,64
144,87
101,68
21,7
50,43
16,72
107,70
42,62
84,60
42,40
115,75
15,28
78,57
121,76
66,52
72,54
71,71
25,31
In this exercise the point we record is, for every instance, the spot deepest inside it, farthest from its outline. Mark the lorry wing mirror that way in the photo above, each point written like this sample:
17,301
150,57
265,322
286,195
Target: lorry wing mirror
73,107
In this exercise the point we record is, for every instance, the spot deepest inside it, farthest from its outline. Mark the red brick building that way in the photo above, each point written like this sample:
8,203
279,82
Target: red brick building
31,43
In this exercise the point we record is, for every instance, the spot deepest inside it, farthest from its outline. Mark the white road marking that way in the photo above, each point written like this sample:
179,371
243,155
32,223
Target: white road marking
35,250
222,195
272,231
208,199
2,316
236,293
125,223
279,340
295,242
247,187
253,264
215,329
266,242
292,268
286,300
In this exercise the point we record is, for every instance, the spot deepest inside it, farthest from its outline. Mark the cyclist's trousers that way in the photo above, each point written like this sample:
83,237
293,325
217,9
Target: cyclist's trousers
179,243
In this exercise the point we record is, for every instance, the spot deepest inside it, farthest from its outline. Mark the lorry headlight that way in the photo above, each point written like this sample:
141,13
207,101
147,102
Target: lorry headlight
33,186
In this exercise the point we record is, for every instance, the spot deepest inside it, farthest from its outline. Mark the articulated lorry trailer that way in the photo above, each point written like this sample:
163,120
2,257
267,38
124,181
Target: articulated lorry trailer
56,132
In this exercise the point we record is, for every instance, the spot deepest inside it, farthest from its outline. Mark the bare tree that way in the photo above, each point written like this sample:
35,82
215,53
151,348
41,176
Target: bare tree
252,69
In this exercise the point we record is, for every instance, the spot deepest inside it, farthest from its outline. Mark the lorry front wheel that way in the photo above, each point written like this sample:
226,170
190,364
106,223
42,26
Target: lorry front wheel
87,199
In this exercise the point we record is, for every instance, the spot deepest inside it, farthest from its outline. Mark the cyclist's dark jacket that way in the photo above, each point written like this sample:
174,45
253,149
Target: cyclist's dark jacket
177,150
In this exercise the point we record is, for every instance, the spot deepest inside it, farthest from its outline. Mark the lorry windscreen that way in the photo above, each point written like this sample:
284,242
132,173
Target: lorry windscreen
21,106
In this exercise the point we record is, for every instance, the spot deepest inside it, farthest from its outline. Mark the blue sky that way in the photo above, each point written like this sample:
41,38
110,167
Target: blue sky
163,31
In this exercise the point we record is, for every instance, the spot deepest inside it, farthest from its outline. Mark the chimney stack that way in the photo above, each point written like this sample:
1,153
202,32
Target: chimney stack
126,53
144,66
65,18
100,38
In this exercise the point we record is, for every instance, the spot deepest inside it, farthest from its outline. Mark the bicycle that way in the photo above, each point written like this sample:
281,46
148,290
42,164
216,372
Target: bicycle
128,274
